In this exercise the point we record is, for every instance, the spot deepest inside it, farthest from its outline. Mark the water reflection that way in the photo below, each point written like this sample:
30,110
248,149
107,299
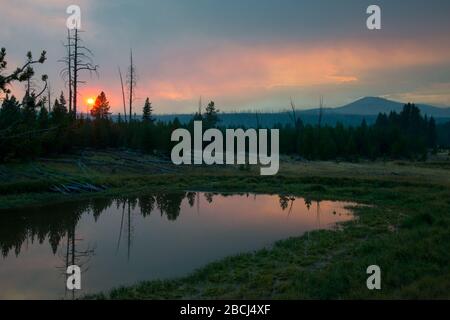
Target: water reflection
118,241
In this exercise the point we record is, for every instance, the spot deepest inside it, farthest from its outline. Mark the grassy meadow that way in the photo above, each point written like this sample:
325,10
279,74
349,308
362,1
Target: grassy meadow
402,223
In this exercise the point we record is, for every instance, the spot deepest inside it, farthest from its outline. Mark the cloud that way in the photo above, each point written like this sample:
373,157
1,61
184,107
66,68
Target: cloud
238,70
241,54
435,94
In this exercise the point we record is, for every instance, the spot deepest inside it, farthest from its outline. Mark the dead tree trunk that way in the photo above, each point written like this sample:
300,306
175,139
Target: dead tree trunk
49,98
69,69
75,73
78,58
131,81
123,96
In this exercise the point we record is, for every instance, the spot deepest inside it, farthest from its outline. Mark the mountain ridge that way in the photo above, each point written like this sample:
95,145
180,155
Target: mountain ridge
374,105
351,114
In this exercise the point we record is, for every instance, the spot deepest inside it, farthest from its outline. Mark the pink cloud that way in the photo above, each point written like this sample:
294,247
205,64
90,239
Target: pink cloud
238,70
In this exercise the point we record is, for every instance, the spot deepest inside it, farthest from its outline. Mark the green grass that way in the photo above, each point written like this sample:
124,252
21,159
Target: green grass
407,236
405,230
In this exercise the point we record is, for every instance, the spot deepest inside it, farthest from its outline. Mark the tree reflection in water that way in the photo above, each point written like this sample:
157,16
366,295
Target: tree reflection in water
57,223
115,223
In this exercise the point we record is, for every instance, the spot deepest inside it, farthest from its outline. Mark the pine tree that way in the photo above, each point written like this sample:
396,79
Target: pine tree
29,109
43,117
9,112
59,112
211,117
100,110
62,100
147,111
21,74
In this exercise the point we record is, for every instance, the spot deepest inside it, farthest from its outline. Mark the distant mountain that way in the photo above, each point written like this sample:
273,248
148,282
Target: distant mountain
374,105
351,114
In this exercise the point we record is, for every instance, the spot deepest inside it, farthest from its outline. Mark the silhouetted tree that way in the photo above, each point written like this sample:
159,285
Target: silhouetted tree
43,117
23,73
131,83
29,110
10,112
123,95
100,110
59,112
78,59
147,111
211,117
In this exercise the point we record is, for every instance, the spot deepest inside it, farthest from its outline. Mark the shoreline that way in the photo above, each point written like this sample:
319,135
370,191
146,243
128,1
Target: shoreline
402,225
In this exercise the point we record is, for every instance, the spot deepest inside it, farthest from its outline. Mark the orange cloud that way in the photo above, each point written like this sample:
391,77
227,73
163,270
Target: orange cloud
240,70
435,93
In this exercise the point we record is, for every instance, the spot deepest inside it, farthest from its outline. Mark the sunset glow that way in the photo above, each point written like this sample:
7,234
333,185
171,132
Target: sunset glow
304,57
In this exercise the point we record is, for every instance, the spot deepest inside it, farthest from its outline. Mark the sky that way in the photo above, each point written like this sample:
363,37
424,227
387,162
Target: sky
243,54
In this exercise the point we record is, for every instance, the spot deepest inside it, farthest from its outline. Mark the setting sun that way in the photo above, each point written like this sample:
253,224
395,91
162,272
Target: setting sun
90,101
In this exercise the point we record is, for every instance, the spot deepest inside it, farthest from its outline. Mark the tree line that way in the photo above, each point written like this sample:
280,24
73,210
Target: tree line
28,129
407,134
34,127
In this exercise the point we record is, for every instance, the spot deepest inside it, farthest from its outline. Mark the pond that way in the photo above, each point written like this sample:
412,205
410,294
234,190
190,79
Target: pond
120,241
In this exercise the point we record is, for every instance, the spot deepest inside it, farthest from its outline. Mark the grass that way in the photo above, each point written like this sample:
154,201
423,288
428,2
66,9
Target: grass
405,230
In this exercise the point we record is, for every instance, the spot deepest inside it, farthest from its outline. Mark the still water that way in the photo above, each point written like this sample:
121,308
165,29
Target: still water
124,240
